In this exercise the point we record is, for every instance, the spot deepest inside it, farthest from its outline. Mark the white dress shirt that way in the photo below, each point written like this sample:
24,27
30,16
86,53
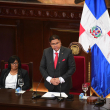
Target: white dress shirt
60,78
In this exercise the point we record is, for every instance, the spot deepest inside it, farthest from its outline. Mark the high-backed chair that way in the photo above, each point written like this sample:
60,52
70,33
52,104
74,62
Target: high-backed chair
26,66
83,68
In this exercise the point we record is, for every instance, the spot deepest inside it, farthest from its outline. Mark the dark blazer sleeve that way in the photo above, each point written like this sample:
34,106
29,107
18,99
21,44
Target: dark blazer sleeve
25,76
71,66
43,66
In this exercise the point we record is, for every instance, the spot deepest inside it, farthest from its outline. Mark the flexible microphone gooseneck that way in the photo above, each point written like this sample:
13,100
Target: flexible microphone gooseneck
104,91
60,98
34,94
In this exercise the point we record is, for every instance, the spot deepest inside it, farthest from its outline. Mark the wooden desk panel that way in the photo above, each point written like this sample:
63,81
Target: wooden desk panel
11,101
40,88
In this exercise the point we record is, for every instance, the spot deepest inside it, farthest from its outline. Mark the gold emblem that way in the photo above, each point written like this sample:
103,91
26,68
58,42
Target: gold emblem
75,49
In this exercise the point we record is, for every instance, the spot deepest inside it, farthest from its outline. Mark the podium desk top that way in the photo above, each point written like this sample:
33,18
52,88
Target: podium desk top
10,100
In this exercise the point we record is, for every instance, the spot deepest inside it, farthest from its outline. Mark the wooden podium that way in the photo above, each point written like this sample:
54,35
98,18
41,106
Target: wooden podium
9,100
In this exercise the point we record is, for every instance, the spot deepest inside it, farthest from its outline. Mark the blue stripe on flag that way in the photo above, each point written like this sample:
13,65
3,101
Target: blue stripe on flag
97,7
100,72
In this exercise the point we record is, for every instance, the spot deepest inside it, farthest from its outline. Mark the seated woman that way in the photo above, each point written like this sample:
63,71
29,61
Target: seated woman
9,77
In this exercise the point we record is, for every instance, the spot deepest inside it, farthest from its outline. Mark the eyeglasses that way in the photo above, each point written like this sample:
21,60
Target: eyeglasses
14,63
55,43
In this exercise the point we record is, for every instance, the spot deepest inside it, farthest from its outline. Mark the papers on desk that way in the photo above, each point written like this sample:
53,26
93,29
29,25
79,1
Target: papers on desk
54,94
20,92
85,97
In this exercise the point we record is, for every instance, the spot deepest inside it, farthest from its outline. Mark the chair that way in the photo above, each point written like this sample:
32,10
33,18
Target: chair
83,68
26,66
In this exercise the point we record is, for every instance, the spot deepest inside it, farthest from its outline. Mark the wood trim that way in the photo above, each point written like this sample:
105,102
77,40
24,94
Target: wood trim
36,11
6,25
93,91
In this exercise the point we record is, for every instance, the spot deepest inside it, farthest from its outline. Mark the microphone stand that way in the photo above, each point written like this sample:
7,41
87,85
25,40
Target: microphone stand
101,99
60,98
98,101
34,94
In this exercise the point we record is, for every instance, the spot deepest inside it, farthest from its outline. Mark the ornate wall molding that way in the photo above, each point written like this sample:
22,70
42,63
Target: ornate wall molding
41,11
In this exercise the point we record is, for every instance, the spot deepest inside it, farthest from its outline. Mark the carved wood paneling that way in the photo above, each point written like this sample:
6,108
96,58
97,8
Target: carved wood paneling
30,43
37,11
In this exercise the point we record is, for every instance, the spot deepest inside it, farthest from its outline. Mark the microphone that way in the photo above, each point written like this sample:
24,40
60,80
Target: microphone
34,94
60,98
97,101
101,100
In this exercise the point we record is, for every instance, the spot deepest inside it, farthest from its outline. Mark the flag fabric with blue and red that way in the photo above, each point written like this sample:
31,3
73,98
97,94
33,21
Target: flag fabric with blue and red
95,32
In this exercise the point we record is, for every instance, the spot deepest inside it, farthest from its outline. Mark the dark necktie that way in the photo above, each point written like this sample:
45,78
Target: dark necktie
56,59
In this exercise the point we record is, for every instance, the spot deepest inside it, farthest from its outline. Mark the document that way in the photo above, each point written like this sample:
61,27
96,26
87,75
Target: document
85,97
54,94
20,92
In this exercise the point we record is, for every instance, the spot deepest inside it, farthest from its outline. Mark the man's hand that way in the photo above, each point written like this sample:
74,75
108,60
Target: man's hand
55,81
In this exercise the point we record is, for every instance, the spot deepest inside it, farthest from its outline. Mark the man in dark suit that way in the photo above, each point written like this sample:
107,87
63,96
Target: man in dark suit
57,66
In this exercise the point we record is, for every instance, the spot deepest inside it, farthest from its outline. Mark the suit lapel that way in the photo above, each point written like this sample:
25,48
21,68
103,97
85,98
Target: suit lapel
60,57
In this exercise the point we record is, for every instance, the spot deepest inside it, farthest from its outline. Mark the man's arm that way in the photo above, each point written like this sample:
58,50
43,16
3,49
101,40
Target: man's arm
44,73
71,66
43,66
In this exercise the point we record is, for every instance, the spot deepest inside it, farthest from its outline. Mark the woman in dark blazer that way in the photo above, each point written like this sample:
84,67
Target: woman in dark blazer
9,77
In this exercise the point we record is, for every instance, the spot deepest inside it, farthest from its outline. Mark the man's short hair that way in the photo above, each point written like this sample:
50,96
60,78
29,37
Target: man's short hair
53,37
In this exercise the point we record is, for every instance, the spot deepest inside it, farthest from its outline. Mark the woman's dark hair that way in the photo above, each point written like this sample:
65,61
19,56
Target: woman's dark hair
53,37
12,59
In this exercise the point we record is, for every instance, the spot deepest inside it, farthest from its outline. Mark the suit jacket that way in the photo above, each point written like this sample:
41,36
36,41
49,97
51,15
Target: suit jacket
21,73
65,67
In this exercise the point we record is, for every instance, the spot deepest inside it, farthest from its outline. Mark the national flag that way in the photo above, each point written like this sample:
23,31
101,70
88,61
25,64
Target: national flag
95,32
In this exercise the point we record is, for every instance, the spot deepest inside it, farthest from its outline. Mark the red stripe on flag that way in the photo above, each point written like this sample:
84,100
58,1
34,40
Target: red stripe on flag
81,30
108,33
